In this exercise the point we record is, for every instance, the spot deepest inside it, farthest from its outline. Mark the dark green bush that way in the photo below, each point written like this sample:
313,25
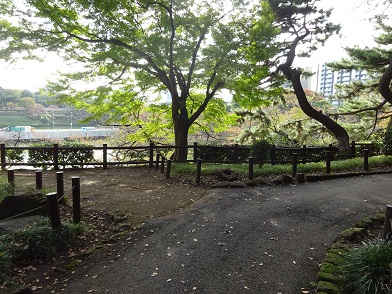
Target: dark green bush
222,153
38,242
367,268
260,150
80,153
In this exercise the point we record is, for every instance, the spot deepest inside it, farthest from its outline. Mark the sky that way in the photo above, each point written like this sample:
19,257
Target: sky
356,30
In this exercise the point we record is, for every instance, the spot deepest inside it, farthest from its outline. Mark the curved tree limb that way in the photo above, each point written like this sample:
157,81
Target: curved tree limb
384,84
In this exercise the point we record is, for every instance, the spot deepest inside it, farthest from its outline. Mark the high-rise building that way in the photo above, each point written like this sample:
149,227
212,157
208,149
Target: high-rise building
328,79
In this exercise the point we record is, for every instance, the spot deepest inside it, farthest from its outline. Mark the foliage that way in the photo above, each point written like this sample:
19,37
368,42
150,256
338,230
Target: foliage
5,188
38,242
190,56
387,142
14,155
366,109
337,166
27,103
366,269
222,153
75,153
285,124
260,150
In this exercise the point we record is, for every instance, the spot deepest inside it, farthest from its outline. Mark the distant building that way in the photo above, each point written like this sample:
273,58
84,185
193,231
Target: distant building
328,79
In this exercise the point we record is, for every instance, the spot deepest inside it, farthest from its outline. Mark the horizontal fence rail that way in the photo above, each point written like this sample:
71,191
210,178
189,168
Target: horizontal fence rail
57,156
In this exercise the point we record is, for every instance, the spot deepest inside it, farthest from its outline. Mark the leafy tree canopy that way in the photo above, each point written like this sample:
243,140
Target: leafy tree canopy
137,48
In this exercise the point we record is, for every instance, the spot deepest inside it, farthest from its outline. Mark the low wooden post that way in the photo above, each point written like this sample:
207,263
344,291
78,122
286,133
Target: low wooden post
168,168
163,164
151,157
353,153
54,211
387,222
328,162
195,152
272,154
236,152
198,171
76,199
56,156
304,151
251,163
60,187
366,159
38,179
295,164
11,176
3,156
105,156
157,161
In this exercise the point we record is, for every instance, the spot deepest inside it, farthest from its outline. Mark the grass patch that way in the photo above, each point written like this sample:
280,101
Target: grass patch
366,269
347,165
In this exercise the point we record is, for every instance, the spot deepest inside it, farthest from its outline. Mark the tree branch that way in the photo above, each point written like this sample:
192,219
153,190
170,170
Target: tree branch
161,74
375,108
384,84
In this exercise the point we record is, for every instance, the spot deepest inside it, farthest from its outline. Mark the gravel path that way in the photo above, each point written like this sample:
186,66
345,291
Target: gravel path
265,240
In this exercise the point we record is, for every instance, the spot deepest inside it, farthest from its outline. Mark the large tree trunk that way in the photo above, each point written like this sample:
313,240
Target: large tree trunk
181,129
384,85
337,130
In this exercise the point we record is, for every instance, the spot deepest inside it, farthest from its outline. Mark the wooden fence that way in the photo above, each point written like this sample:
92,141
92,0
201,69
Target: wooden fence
213,154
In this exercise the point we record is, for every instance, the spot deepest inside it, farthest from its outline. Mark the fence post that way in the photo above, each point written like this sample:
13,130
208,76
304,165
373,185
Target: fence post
304,154
11,176
372,148
157,161
56,156
198,171
38,179
3,156
54,211
163,164
105,156
195,152
251,163
353,149
328,162
60,187
236,152
76,199
273,154
366,159
151,163
168,168
295,163
387,222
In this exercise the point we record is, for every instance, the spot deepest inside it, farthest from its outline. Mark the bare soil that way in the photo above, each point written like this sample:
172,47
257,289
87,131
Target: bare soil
114,201
139,193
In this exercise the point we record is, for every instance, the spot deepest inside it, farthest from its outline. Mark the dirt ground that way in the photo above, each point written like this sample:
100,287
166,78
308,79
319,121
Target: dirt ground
140,193
113,200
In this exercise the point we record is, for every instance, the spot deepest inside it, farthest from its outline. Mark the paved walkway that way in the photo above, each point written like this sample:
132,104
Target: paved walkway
265,240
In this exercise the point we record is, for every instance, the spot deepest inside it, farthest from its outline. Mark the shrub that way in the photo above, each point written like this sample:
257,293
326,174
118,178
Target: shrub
38,242
261,150
81,154
222,153
367,268
15,155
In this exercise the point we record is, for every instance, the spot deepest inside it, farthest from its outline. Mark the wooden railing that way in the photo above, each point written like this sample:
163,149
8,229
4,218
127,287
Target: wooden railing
154,154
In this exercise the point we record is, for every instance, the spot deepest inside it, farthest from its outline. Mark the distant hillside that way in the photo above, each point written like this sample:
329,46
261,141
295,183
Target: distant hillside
55,118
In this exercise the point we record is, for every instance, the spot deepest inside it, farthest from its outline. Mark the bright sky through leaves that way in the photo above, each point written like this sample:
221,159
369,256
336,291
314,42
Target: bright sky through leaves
356,30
